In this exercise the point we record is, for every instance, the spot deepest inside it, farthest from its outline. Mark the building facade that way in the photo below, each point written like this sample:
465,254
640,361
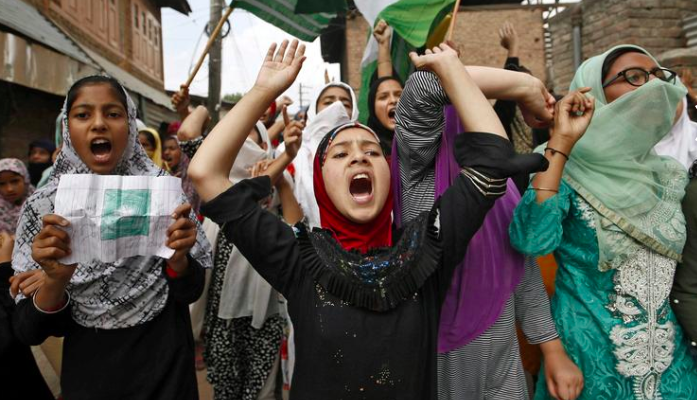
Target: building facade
593,26
46,45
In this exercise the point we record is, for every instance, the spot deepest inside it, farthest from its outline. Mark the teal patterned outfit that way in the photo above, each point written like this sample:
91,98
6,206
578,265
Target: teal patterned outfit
616,325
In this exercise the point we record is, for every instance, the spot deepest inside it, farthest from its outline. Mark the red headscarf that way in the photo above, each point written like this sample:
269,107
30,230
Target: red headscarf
351,235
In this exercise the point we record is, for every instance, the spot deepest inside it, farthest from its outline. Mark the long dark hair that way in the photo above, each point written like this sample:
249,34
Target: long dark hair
374,123
96,80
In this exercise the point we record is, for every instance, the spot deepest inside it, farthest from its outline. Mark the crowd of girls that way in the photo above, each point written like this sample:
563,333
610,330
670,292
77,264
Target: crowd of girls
388,260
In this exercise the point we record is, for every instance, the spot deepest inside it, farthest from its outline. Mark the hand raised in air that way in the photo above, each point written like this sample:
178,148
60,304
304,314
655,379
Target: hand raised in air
280,67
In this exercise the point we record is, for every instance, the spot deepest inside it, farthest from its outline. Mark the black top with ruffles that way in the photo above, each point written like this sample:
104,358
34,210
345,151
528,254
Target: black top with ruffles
366,325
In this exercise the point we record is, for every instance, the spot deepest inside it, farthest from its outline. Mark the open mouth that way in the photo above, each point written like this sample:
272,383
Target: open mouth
361,188
391,114
101,149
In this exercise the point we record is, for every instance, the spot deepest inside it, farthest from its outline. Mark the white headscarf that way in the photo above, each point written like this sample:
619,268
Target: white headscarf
318,125
123,294
312,110
681,142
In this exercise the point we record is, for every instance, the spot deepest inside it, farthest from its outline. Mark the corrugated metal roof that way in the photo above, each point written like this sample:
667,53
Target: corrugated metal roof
28,21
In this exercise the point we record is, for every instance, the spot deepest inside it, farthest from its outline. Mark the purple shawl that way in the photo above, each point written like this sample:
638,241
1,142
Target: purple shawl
491,269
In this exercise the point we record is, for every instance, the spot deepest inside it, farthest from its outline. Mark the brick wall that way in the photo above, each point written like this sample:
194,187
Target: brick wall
652,24
476,32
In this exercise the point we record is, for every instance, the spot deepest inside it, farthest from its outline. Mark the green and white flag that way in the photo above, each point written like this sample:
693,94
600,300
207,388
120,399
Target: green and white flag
114,217
412,22
282,14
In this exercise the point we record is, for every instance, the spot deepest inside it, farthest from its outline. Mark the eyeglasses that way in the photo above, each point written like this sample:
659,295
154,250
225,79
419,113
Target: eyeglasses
638,76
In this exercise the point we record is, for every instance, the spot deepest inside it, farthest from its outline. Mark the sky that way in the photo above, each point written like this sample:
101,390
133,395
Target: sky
243,50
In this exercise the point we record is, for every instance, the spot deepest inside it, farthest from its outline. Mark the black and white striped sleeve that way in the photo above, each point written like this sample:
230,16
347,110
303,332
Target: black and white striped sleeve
532,306
420,121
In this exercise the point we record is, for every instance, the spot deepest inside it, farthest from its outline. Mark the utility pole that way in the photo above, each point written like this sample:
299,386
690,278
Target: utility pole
214,63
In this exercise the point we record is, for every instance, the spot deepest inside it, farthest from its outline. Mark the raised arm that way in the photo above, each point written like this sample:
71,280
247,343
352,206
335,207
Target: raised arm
190,133
471,104
537,225
572,116
210,167
383,35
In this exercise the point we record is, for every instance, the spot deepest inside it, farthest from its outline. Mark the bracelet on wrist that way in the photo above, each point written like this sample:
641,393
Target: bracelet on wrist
54,310
555,151
544,189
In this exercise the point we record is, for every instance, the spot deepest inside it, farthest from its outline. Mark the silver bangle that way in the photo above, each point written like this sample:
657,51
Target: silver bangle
33,298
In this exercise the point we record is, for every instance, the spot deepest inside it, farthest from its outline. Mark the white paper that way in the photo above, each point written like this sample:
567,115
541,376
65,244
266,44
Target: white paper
113,217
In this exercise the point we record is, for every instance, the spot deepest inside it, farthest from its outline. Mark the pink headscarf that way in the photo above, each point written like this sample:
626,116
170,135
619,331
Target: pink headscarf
10,211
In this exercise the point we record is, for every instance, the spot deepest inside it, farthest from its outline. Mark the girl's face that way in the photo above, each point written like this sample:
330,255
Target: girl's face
171,153
621,87
356,175
386,100
149,149
98,126
333,94
12,186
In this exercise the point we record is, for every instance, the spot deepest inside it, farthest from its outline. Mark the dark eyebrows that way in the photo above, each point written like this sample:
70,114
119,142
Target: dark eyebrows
362,142
92,106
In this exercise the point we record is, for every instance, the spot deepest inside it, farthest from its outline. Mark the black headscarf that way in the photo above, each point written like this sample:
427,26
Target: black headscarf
384,134
37,169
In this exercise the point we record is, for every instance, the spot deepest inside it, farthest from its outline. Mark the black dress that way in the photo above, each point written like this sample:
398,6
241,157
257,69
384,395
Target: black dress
154,360
366,326
20,377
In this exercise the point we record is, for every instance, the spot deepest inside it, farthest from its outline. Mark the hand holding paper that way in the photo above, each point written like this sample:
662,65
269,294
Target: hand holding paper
51,244
181,237
111,217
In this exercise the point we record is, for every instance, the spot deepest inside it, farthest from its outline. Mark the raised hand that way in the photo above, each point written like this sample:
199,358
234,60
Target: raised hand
509,38
436,59
382,33
181,237
537,104
280,68
181,100
292,135
572,115
51,244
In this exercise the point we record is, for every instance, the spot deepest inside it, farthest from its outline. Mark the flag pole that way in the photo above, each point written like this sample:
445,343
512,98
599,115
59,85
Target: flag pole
211,39
452,20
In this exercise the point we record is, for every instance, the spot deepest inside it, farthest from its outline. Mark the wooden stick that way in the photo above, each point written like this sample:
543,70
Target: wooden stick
453,19
211,39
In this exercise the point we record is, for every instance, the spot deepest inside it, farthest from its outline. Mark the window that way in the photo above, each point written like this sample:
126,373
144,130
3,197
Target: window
135,17
142,18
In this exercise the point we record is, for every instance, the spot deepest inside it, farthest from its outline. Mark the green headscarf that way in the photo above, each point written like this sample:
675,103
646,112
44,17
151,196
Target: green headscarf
613,167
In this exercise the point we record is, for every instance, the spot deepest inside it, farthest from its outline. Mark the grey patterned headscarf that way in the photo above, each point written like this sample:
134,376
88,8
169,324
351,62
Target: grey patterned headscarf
122,294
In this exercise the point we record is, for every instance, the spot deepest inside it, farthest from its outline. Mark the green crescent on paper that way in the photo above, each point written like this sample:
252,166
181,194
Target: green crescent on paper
125,213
